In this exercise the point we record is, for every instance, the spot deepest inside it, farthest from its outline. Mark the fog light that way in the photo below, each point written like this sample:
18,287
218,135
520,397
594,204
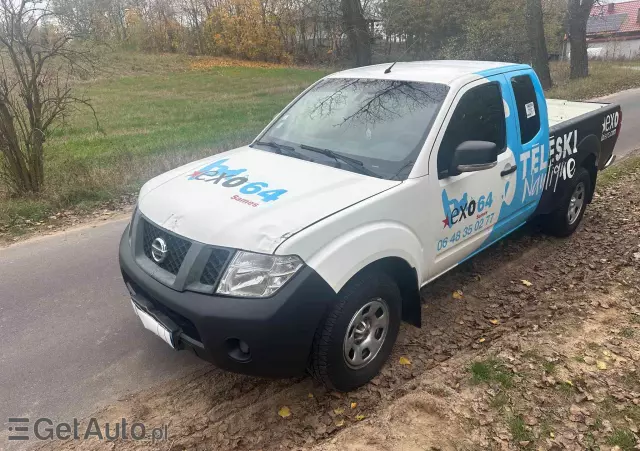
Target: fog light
238,350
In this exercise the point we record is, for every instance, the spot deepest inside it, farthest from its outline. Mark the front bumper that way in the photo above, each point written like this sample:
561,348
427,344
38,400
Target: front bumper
278,330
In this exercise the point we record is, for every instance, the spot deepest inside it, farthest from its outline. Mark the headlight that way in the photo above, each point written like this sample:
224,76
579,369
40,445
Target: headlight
257,275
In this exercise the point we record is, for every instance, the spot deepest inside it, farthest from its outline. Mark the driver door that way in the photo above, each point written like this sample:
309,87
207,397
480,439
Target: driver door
466,207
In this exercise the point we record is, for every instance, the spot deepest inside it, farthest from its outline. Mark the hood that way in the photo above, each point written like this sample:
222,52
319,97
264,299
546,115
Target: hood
251,199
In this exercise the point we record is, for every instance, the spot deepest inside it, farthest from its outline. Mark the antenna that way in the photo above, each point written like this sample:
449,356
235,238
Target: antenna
388,69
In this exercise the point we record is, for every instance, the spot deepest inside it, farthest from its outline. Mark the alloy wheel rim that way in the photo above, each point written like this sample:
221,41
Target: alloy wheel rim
366,333
575,203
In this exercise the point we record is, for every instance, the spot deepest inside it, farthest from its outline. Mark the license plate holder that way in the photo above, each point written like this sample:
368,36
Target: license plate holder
152,324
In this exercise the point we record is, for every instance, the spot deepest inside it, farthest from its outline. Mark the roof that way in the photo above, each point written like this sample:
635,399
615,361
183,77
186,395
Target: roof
605,24
444,72
623,18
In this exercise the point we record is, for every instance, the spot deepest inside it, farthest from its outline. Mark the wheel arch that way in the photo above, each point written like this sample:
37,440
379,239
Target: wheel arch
407,279
589,148
385,246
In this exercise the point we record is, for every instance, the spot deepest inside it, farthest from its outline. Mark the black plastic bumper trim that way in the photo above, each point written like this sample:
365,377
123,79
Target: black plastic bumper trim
279,330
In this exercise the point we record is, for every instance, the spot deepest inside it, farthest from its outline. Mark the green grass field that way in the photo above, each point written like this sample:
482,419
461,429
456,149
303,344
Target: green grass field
151,121
182,111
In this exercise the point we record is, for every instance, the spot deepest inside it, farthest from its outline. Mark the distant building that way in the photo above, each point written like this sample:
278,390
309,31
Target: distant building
613,31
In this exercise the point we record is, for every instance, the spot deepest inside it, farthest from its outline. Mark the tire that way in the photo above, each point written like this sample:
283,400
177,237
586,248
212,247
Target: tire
343,370
566,219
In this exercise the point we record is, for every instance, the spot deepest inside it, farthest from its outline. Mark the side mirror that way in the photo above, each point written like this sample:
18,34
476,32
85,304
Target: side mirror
472,156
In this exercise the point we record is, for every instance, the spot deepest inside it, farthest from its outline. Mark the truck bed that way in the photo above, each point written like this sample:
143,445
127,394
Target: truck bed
578,132
563,110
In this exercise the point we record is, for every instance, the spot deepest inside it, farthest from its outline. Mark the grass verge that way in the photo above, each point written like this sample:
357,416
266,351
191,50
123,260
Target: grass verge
619,170
605,77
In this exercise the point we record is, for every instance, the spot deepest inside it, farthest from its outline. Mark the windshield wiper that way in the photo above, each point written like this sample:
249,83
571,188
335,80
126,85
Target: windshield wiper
355,164
291,151
409,163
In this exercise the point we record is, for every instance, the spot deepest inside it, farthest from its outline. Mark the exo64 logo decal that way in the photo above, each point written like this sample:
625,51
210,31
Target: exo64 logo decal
218,173
474,215
610,125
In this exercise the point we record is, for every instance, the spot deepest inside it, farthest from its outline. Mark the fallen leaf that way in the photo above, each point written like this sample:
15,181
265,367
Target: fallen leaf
482,340
495,322
581,397
569,383
526,283
338,411
458,294
601,365
354,405
340,422
284,412
405,361
310,395
360,417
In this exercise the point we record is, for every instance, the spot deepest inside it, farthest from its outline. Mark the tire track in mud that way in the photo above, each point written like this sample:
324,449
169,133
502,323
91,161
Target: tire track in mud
212,409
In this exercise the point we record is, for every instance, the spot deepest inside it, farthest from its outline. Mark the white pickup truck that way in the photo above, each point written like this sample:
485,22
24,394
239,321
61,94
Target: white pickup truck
306,249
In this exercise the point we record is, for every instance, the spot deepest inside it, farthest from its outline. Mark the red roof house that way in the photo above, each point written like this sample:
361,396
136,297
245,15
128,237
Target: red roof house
613,31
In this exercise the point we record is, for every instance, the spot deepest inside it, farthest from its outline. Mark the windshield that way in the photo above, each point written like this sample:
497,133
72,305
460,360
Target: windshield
381,123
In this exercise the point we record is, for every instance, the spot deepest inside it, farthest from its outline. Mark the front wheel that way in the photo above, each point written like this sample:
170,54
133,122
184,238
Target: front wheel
356,338
566,219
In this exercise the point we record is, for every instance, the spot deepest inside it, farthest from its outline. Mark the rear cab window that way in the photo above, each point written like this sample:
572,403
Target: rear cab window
527,104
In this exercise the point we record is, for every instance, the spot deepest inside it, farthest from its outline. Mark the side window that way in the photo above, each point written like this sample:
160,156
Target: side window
479,116
528,113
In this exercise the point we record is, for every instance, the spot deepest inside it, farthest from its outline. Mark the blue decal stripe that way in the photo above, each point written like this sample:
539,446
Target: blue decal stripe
502,69
523,200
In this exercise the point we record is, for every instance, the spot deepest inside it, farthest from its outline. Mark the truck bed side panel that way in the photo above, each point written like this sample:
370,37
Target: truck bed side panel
585,141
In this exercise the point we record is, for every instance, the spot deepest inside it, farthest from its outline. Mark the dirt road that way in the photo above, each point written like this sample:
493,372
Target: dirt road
539,352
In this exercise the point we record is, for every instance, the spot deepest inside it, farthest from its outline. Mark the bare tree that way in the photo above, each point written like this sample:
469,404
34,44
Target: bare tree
194,13
578,16
357,32
37,60
538,42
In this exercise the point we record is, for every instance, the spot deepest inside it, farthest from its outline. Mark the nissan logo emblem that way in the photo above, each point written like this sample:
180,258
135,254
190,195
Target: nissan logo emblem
159,250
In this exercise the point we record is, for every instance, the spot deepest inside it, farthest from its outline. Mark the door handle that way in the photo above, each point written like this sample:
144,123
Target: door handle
511,170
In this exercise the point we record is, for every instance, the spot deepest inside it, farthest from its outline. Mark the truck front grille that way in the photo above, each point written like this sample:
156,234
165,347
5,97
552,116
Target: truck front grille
177,247
213,269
